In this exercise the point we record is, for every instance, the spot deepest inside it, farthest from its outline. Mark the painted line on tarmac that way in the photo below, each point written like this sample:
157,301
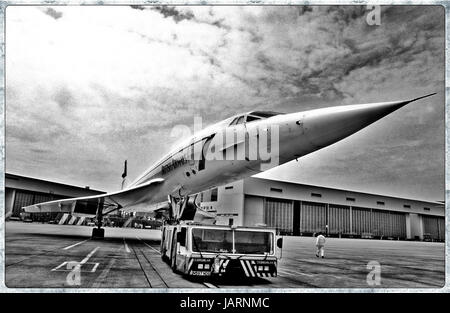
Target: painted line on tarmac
102,277
70,266
74,245
89,256
291,272
84,261
59,266
95,267
127,249
148,245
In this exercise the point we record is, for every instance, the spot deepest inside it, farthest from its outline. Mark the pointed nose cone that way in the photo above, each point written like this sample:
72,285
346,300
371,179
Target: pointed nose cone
326,126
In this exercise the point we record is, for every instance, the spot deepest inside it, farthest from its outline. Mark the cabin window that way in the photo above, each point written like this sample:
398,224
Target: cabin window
316,195
380,202
351,199
407,206
426,209
276,189
228,187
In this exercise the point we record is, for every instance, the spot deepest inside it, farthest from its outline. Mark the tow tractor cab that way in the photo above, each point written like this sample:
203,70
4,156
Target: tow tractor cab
207,250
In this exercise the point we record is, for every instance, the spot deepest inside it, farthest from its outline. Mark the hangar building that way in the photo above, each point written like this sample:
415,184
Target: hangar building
292,208
298,209
21,191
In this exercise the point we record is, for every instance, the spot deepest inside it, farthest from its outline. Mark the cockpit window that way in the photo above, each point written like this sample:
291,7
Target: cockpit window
234,121
240,120
252,118
264,114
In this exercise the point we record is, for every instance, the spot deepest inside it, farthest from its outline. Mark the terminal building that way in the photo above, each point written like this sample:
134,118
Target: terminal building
22,191
303,210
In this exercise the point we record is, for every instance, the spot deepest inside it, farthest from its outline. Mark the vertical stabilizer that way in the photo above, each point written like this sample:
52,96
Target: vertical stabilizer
124,175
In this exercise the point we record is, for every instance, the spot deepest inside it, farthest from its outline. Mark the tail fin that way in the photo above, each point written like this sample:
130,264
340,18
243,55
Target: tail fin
124,174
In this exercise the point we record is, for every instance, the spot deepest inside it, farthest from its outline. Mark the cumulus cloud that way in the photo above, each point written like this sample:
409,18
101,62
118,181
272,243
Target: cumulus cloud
90,86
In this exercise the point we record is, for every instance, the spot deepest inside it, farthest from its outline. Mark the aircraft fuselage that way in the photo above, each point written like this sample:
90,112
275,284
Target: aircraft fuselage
244,145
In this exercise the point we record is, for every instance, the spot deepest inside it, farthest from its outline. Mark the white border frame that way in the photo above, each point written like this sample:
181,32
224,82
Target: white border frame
3,288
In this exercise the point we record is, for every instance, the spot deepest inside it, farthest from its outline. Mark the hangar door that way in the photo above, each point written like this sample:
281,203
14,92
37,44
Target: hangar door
398,221
434,227
24,198
313,217
388,224
380,223
361,221
279,214
339,219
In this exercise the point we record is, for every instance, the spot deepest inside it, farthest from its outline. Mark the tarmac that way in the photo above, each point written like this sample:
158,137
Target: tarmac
46,256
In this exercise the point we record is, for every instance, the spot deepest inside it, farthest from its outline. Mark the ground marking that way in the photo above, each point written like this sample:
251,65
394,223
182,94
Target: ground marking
84,261
148,245
89,256
290,272
74,245
59,266
95,267
126,246
100,279
65,269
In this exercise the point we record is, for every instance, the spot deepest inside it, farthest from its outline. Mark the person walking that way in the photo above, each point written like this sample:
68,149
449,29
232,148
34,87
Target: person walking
320,244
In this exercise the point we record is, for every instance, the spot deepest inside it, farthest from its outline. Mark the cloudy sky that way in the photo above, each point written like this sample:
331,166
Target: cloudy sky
88,87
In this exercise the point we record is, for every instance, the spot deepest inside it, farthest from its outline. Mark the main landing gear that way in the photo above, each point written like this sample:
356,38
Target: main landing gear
99,232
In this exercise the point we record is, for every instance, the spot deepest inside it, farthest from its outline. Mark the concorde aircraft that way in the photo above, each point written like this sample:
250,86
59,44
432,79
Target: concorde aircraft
235,148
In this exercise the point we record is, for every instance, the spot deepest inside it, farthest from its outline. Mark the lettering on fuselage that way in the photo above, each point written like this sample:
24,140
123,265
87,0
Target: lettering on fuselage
173,165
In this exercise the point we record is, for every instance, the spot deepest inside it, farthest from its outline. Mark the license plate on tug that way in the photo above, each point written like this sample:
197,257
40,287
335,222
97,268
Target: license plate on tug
200,273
